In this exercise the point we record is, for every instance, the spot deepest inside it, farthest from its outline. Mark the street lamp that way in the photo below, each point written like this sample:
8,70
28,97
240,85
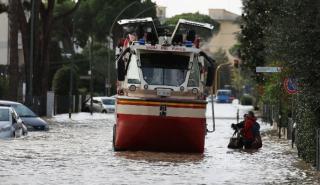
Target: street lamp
216,77
90,65
110,45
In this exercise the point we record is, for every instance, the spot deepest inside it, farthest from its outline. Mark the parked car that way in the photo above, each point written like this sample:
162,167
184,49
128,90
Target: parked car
29,118
224,96
11,124
101,104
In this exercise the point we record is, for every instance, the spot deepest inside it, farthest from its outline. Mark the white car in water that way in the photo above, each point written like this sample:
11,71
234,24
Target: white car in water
11,124
101,104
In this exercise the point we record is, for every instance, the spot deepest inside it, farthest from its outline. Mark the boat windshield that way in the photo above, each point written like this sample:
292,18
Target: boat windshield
164,68
4,114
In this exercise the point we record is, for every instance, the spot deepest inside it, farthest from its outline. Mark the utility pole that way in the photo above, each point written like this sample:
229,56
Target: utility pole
218,76
71,71
90,65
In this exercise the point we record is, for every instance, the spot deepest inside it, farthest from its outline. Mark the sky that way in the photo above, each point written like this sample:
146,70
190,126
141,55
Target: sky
185,6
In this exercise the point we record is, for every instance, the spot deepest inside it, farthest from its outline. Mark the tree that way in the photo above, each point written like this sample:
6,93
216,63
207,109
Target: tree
94,18
13,48
252,37
287,32
61,81
43,27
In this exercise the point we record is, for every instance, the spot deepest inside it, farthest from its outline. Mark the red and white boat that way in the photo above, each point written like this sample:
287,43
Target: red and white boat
162,81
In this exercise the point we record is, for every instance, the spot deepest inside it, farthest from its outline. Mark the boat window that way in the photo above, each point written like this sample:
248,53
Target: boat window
194,77
4,114
133,72
164,68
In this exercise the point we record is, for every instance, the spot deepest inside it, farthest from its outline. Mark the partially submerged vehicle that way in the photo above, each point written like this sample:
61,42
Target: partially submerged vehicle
161,101
10,123
30,119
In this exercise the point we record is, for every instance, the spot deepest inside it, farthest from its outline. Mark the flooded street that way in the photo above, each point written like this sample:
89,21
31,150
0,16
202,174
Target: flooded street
79,151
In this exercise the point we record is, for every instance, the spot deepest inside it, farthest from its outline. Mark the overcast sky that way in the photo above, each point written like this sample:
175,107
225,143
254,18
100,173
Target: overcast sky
183,6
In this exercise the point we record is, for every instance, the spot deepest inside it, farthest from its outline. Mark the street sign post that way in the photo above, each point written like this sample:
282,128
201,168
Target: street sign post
290,85
268,69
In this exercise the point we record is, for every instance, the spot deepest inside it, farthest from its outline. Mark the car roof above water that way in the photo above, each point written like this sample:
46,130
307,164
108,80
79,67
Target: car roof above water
5,102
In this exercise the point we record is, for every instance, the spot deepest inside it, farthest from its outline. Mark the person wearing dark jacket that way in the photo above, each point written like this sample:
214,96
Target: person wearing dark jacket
250,131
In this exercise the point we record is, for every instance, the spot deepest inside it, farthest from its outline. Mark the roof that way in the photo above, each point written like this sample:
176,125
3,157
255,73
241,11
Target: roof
9,102
222,14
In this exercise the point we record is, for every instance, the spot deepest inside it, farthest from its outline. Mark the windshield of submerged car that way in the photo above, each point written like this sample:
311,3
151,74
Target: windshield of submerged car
108,101
164,68
4,114
224,93
23,111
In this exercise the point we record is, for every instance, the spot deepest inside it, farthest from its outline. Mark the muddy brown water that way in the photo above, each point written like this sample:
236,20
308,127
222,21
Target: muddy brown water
79,151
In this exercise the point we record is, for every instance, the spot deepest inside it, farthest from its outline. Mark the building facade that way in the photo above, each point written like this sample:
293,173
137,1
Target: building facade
225,39
4,38
229,28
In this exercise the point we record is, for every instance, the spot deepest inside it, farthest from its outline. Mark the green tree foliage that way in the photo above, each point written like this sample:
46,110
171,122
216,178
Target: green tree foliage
95,17
252,36
61,81
287,32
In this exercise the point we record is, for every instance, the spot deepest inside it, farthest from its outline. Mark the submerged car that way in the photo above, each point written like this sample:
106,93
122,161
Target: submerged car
29,118
11,124
101,104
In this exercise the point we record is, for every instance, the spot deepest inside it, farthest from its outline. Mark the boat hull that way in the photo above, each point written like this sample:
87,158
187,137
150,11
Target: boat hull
147,125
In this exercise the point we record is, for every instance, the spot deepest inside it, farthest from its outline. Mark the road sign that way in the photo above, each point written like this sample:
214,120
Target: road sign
290,85
84,77
268,69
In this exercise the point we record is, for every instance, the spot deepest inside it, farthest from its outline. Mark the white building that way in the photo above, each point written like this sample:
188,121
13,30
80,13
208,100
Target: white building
161,13
229,28
4,37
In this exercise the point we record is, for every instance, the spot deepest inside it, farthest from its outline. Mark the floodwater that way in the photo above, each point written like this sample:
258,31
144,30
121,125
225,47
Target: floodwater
79,151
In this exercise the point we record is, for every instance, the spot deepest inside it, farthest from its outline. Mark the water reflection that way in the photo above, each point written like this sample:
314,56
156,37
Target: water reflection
161,157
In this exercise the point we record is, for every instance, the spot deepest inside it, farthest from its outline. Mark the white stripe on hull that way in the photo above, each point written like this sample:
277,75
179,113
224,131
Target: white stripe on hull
155,111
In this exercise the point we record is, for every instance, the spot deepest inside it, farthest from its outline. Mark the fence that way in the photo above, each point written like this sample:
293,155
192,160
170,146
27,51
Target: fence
318,150
60,104
270,113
